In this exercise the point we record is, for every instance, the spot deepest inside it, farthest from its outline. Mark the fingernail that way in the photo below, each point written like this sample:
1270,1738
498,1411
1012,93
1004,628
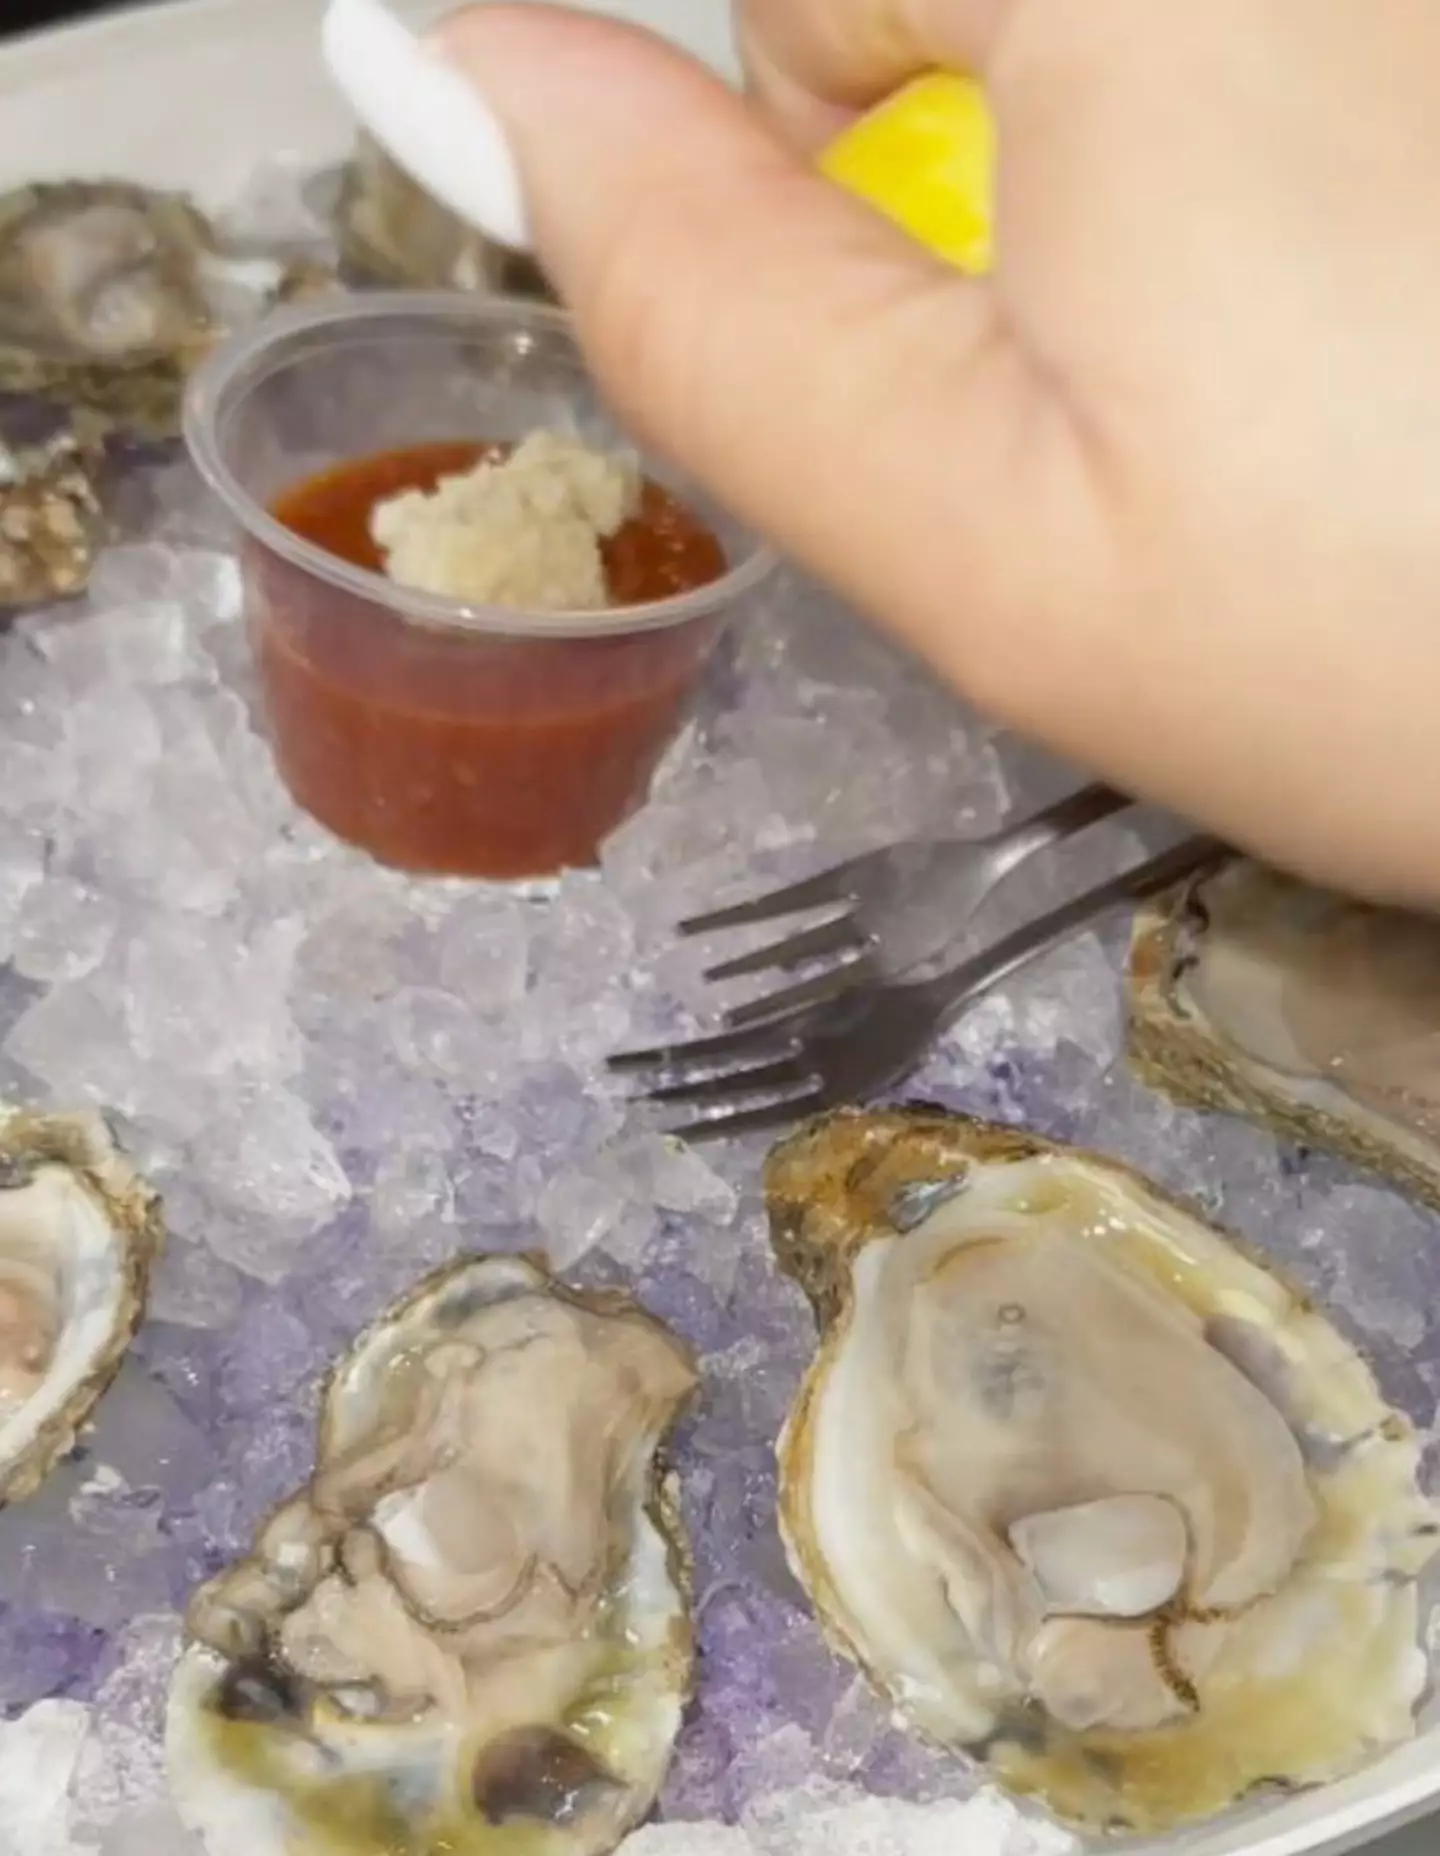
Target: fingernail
427,116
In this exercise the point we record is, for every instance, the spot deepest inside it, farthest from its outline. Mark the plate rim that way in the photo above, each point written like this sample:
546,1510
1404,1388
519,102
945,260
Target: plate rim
1342,1817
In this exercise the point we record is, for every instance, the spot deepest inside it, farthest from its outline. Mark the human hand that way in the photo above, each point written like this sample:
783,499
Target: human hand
1164,492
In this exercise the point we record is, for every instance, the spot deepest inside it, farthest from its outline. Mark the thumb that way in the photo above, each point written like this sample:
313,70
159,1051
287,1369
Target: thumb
823,376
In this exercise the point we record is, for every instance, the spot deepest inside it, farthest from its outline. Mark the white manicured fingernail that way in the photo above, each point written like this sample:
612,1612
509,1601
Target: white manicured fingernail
427,116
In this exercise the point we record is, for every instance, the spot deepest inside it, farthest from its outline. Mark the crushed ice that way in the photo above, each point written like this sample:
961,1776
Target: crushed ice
338,1077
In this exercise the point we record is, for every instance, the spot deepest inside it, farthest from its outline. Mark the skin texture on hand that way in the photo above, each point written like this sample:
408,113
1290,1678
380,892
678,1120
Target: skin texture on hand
1164,491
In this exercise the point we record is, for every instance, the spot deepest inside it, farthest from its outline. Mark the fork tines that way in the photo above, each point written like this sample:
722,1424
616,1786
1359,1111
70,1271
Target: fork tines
700,1076
829,1046
825,890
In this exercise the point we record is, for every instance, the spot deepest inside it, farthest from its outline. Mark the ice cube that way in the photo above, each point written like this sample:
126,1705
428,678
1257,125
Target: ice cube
272,1160
858,1723
270,1352
22,865
680,1180
235,994
688,1839
39,1754
143,1436
829,1820
1380,1250
581,1208
192,1287
412,1186
144,1830
150,641
63,929
437,1034
483,951
122,1765
125,1521
137,571
45,1654
48,1562
74,1039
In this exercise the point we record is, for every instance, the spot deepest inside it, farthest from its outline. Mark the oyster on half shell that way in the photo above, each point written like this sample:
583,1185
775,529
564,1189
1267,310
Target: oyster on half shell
1317,1016
390,231
469,1633
1081,1487
110,294
79,1233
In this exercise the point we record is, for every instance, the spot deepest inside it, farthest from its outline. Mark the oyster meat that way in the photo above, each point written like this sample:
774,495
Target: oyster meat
1083,1488
52,521
79,1233
110,294
1318,1016
470,1631
391,232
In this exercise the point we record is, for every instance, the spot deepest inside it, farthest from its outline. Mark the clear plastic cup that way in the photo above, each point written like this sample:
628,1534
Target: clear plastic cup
443,738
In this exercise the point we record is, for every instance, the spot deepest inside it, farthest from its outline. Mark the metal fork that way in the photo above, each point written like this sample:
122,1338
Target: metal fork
899,907
855,1045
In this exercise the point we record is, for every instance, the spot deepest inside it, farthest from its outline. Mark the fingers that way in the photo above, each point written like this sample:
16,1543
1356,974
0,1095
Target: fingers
813,63
819,373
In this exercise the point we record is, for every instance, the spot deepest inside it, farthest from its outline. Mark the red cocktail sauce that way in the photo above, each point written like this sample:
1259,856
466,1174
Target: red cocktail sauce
450,751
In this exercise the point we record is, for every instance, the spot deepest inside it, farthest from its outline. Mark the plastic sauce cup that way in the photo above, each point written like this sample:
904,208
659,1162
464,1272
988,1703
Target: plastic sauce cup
443,738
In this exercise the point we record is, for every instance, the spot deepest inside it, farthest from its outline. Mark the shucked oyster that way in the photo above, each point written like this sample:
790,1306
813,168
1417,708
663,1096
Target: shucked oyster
1080,1486
110,294
1318,1016
392,232
469,1633
78,1236
51,519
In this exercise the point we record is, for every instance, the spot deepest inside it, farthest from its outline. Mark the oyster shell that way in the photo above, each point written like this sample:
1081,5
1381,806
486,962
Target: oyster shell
1082,1488
392,232
1252,993
52,521
110,294
79,1233
470,1631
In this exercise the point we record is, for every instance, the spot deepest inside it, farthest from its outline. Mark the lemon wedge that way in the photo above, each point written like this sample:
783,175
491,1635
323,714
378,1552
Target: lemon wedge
926,159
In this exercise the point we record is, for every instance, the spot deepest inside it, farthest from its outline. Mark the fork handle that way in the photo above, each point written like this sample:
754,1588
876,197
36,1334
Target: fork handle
952,992
1069,816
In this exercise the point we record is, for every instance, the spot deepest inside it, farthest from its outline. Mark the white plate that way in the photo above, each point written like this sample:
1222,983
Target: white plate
191,94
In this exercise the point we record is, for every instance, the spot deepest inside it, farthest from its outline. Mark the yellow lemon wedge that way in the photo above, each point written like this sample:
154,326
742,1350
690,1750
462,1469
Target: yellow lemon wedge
926,159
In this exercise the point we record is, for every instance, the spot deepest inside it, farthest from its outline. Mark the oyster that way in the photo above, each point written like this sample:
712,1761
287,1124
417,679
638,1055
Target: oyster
51,517
1317,1016
391,232
78,1235
1083,1488
470,1631
110,294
